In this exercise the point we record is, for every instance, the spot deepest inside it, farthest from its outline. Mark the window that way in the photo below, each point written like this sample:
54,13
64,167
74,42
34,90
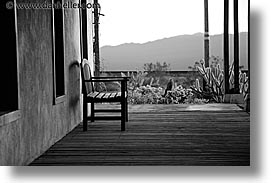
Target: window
83,30
8,66
58,55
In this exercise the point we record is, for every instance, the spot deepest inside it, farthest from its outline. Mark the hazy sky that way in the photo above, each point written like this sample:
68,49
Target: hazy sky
141,21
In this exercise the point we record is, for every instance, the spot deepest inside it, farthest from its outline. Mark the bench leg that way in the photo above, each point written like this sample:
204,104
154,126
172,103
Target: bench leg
126,111
85,115
92,112
123,117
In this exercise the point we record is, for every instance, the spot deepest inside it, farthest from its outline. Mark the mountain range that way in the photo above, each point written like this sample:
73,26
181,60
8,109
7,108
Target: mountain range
179,51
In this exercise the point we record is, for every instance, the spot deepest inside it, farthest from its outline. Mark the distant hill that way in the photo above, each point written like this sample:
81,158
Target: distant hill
180,51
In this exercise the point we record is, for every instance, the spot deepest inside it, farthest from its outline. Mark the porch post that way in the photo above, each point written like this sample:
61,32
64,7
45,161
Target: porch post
247,108
206,39
226,46
206,34
236,47
249,43
96,38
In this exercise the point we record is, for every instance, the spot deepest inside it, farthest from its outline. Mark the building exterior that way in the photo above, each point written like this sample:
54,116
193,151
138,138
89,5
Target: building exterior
40,76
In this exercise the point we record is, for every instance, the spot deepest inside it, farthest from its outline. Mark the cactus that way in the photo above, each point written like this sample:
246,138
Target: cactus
136,80
243,82
197,85
214,79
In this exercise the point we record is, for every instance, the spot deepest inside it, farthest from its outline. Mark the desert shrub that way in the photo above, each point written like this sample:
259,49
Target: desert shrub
156,68
154,95
145,95
149,88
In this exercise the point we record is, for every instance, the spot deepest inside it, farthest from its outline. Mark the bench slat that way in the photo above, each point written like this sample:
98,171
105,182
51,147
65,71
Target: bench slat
107,95
118,94
113,95
100,95
93,95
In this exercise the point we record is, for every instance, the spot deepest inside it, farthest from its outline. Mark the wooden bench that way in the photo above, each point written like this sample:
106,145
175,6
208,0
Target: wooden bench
90,96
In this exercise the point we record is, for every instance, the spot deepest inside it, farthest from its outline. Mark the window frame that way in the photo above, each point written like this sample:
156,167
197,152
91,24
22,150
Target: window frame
61,98
83,30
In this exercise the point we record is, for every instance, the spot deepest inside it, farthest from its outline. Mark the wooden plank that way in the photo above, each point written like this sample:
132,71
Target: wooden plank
217,138
107,110
107,118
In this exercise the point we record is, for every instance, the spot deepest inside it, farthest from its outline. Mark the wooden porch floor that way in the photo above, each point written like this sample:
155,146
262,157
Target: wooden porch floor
159,135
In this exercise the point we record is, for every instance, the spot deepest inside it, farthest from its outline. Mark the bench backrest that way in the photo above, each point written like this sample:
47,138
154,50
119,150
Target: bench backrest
87,87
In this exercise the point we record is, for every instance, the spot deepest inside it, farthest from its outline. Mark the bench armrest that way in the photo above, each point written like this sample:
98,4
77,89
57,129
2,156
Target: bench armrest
111,79
122,80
